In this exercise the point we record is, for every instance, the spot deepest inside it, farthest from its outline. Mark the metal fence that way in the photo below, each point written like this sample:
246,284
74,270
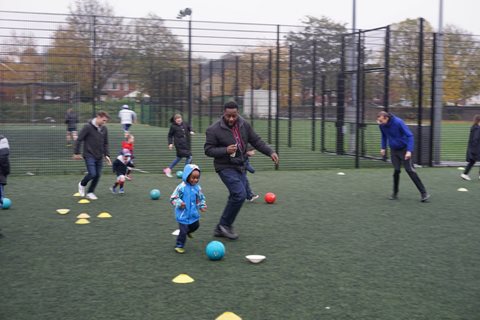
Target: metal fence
311,92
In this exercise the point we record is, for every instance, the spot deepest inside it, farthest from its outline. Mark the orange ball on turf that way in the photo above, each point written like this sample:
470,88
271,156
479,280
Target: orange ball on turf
270,197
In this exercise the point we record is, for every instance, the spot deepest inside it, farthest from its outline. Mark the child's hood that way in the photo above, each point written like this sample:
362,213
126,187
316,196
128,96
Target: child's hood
188,170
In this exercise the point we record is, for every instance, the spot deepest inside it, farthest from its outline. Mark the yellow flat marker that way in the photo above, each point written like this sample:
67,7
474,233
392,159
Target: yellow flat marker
76,194
83,216
63,211
104,215
84,201
462,189
82,221
183,278
228,315
461,168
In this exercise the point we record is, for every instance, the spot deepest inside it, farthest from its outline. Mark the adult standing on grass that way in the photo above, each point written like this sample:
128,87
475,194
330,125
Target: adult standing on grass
71,120
127,118
398,136
94,136
226,142
473,149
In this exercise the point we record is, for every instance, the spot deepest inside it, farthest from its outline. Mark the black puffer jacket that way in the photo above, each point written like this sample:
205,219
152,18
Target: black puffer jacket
473,150
4,160
219,136
179,135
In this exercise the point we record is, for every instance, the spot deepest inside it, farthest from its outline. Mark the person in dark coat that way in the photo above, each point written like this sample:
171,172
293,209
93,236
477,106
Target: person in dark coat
226,142
473,149
179,136
71,120
4,167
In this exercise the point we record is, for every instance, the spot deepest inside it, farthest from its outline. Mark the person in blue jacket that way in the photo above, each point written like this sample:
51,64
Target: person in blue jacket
188,200
399,138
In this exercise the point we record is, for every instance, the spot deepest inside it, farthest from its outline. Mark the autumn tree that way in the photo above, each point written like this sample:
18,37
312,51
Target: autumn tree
461,67
93,23
326,35
154,49
404,59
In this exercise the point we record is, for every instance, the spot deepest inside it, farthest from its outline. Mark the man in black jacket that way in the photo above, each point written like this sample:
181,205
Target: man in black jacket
94,136
226,142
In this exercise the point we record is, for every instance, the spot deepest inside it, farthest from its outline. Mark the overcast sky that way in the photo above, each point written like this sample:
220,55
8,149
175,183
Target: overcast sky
370,13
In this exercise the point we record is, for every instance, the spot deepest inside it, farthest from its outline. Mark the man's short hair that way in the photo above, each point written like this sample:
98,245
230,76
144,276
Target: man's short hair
103,114
230,105
383,114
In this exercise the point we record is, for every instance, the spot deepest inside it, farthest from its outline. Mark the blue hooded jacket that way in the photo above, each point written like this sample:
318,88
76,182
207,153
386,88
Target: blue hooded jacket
397,134
192,196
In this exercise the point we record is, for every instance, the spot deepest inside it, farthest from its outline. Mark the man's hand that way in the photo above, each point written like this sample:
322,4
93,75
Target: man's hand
408,155
77,157
382,152
107,158
274,157
250,153
232,149
170,146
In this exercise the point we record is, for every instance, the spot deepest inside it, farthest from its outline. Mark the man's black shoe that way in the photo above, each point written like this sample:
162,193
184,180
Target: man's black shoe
425,197
394,196
226,232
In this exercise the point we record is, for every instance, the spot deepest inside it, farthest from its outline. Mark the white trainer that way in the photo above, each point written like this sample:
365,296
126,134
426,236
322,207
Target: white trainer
168,172
465,177
81,190
91,196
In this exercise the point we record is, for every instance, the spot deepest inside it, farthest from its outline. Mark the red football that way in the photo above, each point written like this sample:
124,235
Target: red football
270,197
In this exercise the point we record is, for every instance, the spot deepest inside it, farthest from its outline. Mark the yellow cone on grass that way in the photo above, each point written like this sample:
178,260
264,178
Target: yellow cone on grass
183,278
63,211
84,201
104,215
228,316
82,221
83,216
76,194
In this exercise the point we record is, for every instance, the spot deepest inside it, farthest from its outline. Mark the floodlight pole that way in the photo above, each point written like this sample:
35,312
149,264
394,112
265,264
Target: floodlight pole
438,83
183,13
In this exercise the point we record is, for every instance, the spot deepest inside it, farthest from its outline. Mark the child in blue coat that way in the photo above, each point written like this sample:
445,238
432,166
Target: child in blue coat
188,200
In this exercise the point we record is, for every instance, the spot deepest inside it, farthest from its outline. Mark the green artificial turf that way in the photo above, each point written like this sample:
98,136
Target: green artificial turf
336,248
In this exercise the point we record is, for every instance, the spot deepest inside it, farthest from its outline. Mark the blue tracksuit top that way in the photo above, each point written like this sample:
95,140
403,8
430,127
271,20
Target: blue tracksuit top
192,196
397,134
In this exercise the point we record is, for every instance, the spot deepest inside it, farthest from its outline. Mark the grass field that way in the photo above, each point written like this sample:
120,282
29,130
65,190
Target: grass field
336,248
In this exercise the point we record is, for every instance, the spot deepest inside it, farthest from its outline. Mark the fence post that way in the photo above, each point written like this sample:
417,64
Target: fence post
210,94
269,122
290,93
190,80
359,87
322,128
94,65
386,79
433,99
314,93
252,85
200,99
420,92
277,115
